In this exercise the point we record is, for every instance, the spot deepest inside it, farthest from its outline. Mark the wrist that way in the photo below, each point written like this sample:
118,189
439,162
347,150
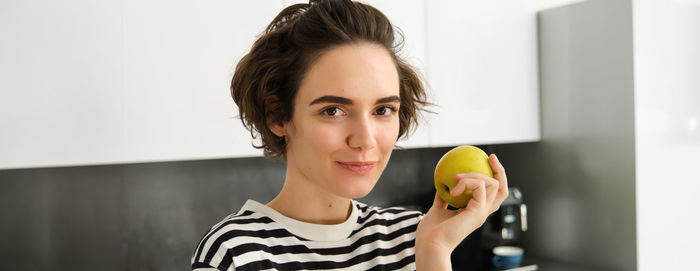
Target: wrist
429,259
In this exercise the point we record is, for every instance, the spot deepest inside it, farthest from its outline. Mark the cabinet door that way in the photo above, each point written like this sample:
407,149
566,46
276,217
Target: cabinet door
482,65
61,76
96,82
179,60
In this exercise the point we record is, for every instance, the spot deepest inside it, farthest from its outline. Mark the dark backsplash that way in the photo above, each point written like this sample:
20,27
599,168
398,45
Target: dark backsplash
150,216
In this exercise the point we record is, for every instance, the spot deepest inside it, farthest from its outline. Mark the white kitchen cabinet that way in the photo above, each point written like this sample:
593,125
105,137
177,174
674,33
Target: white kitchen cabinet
482,65
61,71
178,68
101,82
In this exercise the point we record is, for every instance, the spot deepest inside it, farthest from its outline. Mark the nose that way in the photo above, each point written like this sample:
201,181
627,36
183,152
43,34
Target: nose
362,134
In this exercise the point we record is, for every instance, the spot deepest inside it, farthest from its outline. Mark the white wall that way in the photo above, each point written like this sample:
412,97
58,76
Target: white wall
667,105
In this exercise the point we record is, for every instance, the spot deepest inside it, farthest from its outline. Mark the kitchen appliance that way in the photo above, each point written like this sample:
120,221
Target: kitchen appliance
504,227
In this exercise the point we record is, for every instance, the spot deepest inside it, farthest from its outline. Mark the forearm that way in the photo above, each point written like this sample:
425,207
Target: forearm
428,259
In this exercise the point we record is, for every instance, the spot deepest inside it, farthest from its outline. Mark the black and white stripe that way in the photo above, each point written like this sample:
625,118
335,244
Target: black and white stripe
382,239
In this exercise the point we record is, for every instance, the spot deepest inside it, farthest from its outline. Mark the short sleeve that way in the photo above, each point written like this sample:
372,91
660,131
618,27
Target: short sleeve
205,258
207,265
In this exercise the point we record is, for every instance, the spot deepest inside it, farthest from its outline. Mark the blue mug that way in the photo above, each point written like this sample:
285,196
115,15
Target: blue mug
507,257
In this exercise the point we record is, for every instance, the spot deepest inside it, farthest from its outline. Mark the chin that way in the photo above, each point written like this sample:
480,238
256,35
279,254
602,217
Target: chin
356,194
357,188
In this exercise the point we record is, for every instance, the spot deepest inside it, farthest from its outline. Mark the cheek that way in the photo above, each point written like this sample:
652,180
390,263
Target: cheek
324,138
388,135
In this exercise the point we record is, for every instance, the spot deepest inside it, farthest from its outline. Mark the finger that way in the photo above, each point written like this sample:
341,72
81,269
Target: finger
466,183
438,203
478,188
496,197
460,187
475,175
499,173
492,186
472,216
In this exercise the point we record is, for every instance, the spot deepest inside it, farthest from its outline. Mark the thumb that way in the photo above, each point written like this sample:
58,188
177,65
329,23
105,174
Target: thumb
438,203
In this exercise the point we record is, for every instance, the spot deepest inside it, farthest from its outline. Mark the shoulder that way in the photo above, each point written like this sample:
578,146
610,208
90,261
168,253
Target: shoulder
213,250
240,222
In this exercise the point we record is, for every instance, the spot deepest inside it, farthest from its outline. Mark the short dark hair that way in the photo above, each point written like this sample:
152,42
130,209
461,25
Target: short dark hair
292,42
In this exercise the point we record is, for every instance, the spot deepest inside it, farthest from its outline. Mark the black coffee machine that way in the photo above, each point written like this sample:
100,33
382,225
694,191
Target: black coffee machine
502,228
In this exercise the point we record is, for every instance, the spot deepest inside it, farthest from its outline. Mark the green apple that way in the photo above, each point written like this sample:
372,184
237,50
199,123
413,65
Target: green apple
462,159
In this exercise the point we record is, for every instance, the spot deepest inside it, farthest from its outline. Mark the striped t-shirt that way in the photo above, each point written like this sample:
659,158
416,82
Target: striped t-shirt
260,238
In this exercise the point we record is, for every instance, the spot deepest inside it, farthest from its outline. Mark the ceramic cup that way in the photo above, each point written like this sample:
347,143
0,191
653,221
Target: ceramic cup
506,257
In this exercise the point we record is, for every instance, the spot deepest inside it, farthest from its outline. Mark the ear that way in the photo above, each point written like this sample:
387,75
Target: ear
274,107
276,127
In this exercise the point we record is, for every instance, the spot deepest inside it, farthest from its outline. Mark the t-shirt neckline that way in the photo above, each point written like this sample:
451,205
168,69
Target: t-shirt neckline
310,231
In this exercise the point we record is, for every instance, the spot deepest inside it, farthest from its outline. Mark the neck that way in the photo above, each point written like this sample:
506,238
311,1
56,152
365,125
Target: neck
302,200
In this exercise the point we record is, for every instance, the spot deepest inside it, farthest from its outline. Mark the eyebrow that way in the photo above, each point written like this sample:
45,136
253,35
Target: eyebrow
346,101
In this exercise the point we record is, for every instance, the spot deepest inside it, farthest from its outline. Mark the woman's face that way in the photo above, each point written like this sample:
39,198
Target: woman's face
345,121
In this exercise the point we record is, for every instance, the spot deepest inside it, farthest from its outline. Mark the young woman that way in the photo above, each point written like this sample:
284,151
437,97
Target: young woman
324,89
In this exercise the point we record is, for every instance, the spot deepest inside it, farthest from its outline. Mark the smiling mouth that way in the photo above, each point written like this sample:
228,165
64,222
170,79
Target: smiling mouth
357,167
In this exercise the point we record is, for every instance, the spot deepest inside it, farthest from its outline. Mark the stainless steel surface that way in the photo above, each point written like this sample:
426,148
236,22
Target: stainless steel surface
523,217
580,179
507,234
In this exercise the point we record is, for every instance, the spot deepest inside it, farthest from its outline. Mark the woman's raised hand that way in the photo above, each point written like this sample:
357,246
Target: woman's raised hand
441,230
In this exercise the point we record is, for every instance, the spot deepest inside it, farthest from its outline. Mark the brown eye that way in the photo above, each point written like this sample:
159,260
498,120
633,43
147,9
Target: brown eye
332,111
385,110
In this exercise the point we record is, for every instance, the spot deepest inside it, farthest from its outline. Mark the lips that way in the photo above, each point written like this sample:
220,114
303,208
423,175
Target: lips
357,167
